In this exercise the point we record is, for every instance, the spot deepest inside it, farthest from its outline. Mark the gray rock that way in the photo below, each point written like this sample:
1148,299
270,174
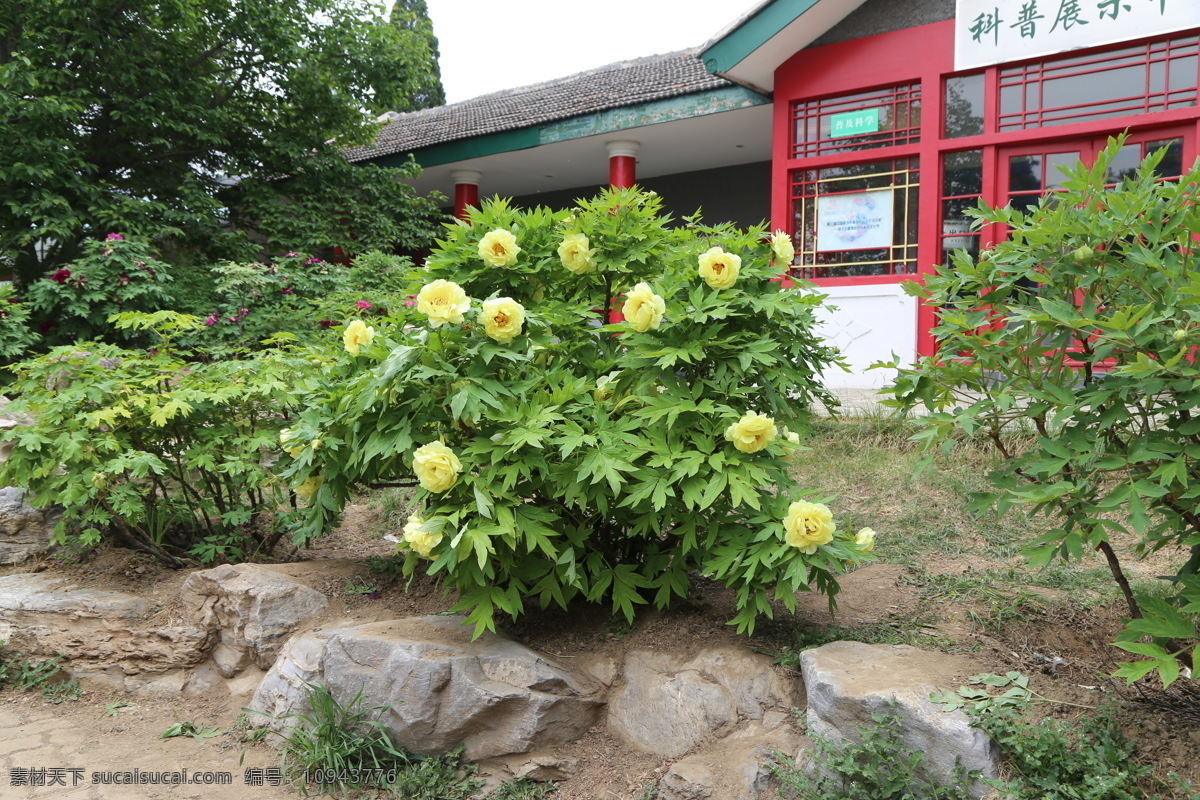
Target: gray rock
25,531
101,634
668,705
731,768
283,692
493,696
847,682
252,611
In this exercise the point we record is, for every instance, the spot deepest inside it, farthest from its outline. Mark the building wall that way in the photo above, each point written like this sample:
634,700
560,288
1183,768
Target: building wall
739,194
871,63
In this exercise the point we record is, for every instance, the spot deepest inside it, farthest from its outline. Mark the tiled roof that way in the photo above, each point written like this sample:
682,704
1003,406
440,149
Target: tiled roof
624,83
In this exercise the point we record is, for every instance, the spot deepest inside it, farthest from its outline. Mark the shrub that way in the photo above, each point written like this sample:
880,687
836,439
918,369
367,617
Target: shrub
1082,327
16,335
167,455
296,295
114,275
561,457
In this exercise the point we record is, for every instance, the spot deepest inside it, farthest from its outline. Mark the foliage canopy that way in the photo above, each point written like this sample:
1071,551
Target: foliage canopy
178,118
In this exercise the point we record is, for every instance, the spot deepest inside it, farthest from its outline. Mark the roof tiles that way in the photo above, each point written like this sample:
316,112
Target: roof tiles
624,83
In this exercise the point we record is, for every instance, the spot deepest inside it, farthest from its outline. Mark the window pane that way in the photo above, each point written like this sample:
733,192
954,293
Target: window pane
1156,76
1025,173
964,106
962,174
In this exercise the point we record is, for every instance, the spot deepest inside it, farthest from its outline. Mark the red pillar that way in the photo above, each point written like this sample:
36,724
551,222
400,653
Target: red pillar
622,163
466,191
622,174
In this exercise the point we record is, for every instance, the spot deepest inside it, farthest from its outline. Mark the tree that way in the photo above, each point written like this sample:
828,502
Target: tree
179,118
413,16
1079,334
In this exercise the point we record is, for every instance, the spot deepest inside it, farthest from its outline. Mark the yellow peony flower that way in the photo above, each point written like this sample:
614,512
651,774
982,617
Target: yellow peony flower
752,432
793,439
436,466
499,248
420,541
643,309
316,444
603,390
443,301
357,335
719,269
865,540
807,526
502,318
308,489
575,254
782,247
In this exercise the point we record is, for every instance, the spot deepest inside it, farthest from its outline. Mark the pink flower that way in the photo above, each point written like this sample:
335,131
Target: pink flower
114,237
363,304
286,290
211,319
60,276
291,255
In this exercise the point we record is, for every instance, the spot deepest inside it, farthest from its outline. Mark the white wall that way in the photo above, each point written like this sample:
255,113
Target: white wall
868,325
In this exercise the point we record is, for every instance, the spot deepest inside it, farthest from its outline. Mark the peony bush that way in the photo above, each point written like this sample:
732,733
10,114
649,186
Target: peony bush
558,456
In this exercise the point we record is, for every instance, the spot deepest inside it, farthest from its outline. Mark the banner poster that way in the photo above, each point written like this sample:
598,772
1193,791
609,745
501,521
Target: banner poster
855,221
990,32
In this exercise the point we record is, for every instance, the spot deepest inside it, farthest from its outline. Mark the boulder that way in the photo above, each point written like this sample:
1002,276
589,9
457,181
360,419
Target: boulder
251,610
492,695
24,530
101,634
731,768
847,682
283,692
667,704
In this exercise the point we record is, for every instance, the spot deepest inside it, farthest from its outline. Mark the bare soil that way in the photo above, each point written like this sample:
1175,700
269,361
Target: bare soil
1062,643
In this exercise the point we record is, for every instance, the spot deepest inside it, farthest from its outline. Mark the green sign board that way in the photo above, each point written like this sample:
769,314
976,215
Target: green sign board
854,123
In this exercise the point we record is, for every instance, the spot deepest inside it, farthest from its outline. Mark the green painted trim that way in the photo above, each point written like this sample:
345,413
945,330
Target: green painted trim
753,34
686,106
489,145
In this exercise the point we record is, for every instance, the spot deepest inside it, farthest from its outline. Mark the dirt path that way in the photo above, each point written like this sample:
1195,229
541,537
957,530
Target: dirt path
75,750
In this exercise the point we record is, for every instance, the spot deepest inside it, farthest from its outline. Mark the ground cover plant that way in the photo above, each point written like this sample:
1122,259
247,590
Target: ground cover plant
560,457
161,452
1081,330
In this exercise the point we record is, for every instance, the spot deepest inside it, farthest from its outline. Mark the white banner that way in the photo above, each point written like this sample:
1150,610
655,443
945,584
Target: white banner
857,221
995,31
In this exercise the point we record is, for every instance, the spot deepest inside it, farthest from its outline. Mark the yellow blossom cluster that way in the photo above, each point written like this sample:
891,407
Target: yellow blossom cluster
499,248
752,432
643,309
719,269
575,253
422,542
436,466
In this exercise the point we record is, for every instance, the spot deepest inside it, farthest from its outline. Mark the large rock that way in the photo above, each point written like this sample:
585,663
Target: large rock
847,682
668,704
251,609
24,530
493,696
732,768
283,693
99,633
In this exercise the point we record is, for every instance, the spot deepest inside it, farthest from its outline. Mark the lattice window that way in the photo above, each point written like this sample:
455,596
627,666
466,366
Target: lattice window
1156,76
879,118
856,220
